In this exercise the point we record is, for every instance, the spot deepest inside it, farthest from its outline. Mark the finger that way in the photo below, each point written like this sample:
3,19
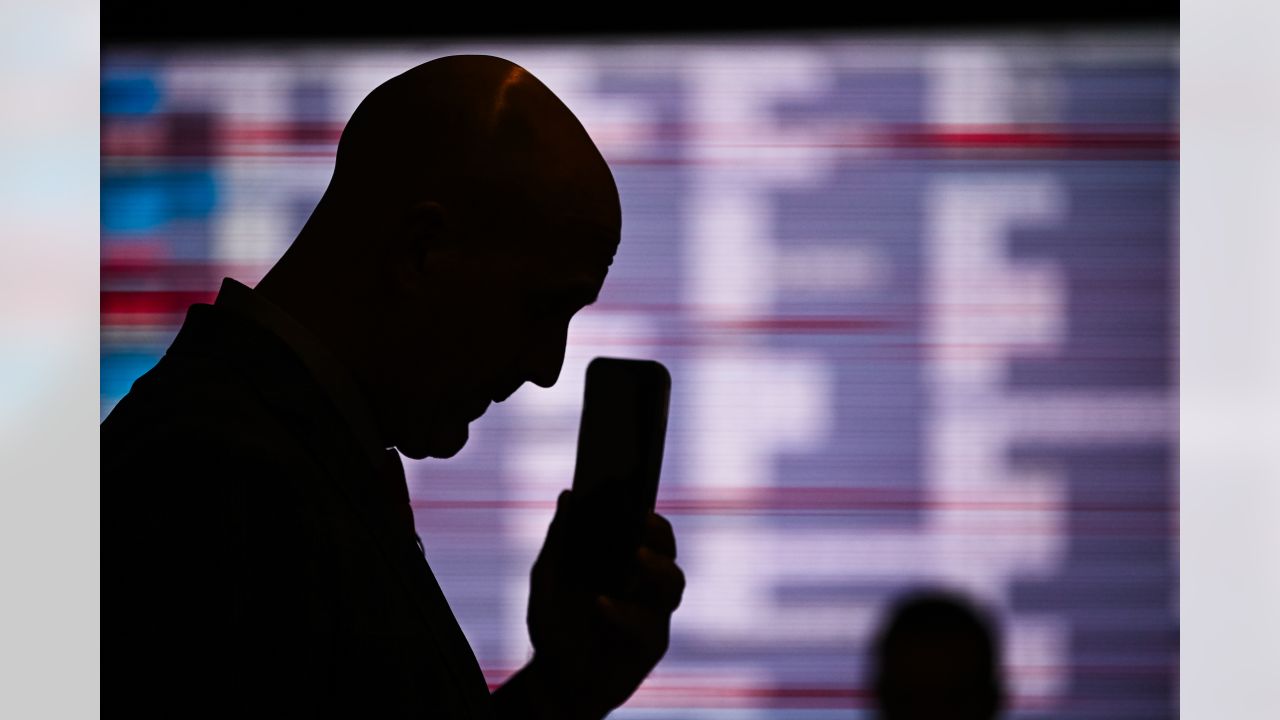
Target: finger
659,536
564,510
657,581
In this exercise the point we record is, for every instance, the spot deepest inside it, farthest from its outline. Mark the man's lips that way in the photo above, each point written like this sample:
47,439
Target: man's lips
503,396
479,408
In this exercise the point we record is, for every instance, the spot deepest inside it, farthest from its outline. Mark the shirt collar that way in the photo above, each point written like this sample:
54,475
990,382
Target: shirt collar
331,375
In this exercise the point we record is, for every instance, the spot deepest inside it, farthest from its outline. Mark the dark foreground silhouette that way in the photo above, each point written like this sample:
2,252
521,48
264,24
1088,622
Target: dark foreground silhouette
265,559
937,657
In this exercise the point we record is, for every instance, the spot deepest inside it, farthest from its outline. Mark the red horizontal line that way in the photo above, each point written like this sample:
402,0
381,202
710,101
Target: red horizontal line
653,695
789,499
125,302
176,301
200,277
952,152
1035,139
911,134
972,528
128,266
162,321
763,692
120,303
128,257
793,323
714,680
1041,137
300,131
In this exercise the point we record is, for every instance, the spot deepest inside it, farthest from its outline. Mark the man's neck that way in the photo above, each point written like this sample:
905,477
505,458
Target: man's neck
325,310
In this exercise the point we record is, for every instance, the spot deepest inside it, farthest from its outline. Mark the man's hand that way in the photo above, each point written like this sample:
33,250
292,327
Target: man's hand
592,651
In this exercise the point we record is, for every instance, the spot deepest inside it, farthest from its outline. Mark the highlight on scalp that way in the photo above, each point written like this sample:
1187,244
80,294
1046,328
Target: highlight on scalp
477,134
426,131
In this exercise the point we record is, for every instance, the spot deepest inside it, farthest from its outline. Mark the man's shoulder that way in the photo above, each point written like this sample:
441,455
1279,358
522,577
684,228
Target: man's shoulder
197,416
222,382
196,397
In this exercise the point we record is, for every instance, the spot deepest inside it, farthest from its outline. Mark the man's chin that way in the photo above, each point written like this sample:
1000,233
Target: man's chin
441,444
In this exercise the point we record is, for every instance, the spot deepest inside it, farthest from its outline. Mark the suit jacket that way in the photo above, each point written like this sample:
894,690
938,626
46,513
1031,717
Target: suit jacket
261,570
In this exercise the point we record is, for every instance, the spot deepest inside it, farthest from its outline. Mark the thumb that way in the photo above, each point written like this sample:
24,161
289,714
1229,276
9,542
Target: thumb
561,521
559,531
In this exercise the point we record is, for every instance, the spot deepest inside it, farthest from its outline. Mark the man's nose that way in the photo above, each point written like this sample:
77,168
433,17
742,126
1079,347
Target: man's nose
548,360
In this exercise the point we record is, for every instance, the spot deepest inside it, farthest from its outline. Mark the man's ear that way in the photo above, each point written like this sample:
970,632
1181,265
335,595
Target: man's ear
426,234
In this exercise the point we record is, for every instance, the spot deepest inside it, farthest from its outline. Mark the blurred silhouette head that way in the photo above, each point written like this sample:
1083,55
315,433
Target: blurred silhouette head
937,658
468,219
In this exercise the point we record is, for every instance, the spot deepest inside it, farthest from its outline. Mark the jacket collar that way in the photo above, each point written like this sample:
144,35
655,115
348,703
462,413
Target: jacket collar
324,368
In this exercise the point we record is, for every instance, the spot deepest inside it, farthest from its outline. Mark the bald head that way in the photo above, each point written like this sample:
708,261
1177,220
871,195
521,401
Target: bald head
469,217
476,134
938,657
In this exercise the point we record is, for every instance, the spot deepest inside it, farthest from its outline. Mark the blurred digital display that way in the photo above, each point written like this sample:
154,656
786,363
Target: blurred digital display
918,297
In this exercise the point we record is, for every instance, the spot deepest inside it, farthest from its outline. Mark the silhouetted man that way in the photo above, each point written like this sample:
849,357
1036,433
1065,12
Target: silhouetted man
267,557
937,658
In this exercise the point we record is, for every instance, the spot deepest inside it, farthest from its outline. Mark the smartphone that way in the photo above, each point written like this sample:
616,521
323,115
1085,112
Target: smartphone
615,481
